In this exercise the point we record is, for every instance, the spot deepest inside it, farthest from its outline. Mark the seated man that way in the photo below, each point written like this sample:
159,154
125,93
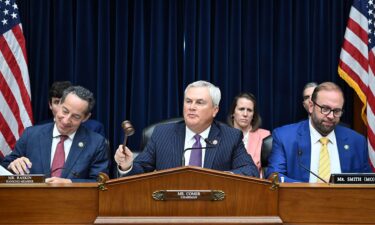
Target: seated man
63,150
225,150
54,95
318,144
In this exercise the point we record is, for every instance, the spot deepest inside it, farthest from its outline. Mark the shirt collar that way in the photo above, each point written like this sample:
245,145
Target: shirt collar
190,134
56,133
315,135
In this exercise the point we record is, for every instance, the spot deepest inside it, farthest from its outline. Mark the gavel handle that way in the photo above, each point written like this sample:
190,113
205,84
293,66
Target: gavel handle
124,143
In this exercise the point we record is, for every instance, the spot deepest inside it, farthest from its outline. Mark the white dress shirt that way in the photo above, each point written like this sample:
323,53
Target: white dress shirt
190,140
55,140
315,152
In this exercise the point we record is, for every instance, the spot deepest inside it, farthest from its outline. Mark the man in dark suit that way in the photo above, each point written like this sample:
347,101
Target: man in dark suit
82,153
300,145
166,147
54,95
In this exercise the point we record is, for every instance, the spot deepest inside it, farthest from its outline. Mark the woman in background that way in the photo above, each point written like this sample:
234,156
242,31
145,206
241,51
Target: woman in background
244,115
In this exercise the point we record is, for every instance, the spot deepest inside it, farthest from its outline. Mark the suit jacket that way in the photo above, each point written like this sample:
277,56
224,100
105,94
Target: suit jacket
87,157
292,146
254,145
166,146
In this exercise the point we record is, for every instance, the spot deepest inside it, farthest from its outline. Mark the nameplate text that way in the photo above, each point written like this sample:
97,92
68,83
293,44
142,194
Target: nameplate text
22,179
205,195
353,178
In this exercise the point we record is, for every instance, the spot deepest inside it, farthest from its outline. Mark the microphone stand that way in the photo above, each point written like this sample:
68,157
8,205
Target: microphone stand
208,142
316,175
300,164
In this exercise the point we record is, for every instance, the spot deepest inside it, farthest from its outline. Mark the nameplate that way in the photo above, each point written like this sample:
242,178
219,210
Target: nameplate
205,195
353,178
22,179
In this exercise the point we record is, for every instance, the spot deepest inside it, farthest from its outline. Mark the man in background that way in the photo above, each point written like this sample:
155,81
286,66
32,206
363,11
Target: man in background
306,95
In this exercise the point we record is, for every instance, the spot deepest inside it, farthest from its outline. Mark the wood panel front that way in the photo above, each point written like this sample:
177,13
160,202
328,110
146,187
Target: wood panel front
132,196
253,220
327,204
48,204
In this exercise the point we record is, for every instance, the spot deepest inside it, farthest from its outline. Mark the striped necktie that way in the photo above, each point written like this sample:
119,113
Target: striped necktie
324,162
196,154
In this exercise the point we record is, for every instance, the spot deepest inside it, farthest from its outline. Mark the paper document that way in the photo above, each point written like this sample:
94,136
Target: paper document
4,172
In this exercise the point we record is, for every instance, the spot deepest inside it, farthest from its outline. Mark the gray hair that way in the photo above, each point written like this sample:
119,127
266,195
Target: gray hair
309,85
214,91
83,94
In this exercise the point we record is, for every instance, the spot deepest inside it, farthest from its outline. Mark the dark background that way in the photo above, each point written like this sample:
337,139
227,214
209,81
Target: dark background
137,56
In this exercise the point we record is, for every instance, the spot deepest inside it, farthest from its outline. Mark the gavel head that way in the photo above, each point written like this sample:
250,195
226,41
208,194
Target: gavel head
128,128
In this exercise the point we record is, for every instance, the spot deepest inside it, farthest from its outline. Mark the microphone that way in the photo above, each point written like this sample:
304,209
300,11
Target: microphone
305,168
210,144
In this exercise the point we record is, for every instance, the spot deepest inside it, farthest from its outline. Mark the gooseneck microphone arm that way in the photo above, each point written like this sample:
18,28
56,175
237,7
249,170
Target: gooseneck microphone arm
300,164
208,142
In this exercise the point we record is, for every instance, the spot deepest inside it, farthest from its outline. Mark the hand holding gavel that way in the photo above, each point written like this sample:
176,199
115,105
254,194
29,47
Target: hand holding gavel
128,130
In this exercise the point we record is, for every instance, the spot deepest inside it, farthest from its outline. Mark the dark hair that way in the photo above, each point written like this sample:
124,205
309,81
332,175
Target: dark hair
57,89
83,94
257,120
326,86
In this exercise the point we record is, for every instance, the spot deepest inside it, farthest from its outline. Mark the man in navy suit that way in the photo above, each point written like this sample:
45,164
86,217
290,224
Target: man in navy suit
165,149
85,152
54,95
296,148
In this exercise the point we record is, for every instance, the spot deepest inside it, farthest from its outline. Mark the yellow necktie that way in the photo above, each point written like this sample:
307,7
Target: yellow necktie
324,162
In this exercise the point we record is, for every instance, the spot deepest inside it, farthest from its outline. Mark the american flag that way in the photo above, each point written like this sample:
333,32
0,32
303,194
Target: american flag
357,62
15,97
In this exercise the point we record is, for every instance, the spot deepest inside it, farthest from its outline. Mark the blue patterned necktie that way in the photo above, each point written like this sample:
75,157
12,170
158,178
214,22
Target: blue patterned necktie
196,153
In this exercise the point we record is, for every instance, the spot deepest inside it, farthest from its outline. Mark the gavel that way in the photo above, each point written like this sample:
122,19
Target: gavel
128,131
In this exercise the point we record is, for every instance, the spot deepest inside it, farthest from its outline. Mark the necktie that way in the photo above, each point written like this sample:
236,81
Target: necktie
196,154
324,162
59,158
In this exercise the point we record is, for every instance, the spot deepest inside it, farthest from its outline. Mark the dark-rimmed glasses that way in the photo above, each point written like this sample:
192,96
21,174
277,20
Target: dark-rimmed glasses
326,110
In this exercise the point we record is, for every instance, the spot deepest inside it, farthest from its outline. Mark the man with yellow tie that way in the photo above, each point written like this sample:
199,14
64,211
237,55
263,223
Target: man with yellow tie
318,145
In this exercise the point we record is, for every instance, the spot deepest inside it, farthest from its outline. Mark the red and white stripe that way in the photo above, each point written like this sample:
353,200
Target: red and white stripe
356,66
15,96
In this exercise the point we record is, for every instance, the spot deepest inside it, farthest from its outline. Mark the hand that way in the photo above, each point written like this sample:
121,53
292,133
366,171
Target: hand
20,166
124,158
58,180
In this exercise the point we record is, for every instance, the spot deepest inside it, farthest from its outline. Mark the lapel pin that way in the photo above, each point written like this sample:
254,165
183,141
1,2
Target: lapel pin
80,144
214,142
346,147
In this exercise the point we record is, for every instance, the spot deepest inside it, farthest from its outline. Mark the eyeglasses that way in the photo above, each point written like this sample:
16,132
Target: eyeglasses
326,110
306,97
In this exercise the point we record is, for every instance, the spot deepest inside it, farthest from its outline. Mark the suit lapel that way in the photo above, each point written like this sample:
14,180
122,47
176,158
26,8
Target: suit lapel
178,144
254,140
78,146
343,148
304,149
211,152
45,141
